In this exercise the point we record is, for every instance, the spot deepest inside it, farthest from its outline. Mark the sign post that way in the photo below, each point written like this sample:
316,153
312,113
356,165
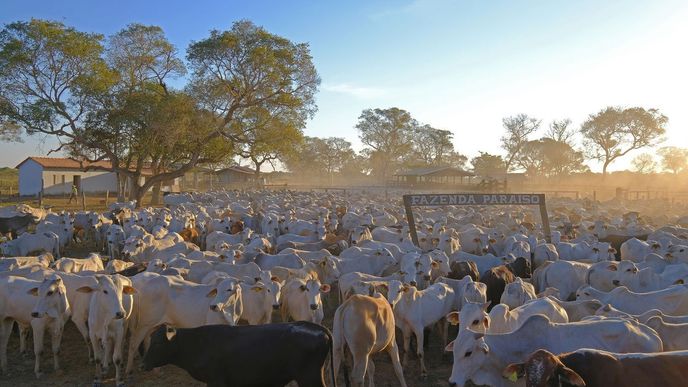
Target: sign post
472,199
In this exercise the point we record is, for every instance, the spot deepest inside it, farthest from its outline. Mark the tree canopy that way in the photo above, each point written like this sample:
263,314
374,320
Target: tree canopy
673,158
518,128
614,132
111,99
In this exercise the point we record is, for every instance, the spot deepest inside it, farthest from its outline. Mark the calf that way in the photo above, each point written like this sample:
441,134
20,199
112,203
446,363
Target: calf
259,300
366,326
595,368
235,356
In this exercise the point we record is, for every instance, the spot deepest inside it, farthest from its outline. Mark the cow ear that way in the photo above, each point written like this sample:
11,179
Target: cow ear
453,318
324,288
514,371
323,263
85,289
678,282
128,289
212,293
303,288
32,291
257,288
435,265
449,347
570,376
612,267
170,333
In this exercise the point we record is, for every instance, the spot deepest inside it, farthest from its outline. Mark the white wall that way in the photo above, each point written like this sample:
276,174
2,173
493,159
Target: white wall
91,181
30,178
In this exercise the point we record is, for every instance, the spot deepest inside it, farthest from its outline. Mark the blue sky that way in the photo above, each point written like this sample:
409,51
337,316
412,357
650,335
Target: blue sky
457,65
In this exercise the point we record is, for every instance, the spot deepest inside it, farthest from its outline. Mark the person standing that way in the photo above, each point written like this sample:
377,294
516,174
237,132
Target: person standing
74,195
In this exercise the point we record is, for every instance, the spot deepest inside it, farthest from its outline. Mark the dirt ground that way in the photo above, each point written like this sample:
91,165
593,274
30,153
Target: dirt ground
78,372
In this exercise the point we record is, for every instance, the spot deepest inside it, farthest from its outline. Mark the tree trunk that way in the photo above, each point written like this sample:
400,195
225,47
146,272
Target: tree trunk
155,200
121,187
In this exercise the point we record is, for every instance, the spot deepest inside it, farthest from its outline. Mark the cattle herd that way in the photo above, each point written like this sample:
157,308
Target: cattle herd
602,301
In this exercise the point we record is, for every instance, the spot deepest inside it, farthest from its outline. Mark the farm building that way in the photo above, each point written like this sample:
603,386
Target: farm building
235,175
436,175
56,176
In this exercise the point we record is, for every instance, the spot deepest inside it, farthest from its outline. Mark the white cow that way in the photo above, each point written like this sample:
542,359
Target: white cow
28,243
674,336
39,304
414,310
301,300
504,320
672,300
259,300
13,263
481,358
109,311
74,265
517,293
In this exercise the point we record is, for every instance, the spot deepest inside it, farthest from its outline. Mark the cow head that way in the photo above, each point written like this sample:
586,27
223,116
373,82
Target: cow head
470,352
541,370
108,294
52,298
226,302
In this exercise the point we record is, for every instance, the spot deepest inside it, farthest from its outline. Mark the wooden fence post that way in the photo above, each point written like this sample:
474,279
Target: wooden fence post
83,200
107,197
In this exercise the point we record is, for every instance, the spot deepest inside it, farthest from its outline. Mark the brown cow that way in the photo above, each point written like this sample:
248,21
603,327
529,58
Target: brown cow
595,368
366,325
190,235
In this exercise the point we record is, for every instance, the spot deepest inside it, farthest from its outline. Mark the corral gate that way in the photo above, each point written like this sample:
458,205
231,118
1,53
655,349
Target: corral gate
472,199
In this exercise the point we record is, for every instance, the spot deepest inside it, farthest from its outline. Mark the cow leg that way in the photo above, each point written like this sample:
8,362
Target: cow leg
83,329
359,370
56,341
117,358
420,335
5,332
406,331
38,326
23,338
97,356
370,372
393,352
134,342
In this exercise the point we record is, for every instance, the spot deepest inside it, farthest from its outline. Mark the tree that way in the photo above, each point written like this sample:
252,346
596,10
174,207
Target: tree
518,128
265,138
321,157
486,164
117,105
549,157
614,132
644,163
388,134
234,71
432,146
559,130
673,159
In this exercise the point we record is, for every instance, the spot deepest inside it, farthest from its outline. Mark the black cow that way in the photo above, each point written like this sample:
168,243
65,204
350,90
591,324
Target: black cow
461,269
252,355
16,223
496,280
520,267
